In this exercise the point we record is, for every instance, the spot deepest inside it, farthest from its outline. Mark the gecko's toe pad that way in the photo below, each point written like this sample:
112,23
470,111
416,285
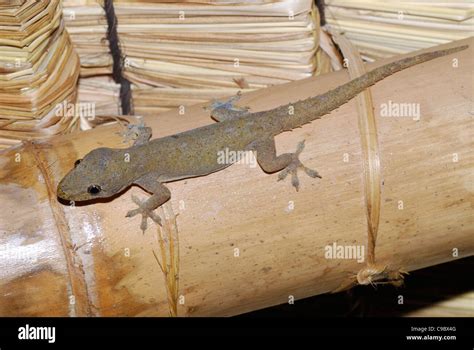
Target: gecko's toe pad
293,167
144,212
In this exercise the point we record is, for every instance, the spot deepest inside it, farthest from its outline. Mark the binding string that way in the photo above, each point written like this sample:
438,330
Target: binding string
118,60
372,273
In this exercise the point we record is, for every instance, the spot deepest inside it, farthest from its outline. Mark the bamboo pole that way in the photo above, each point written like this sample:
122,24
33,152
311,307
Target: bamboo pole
241,240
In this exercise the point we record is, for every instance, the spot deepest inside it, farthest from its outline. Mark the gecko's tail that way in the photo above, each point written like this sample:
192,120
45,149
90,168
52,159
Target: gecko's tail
315,107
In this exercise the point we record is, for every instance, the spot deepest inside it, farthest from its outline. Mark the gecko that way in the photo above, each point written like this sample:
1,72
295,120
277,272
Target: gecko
149,164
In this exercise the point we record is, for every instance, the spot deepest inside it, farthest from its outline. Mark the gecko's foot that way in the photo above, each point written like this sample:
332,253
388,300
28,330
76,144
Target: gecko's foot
293,167
144,212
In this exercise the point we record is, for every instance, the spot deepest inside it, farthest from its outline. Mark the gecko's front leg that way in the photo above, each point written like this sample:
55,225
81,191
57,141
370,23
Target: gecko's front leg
222,111
160,194
139,133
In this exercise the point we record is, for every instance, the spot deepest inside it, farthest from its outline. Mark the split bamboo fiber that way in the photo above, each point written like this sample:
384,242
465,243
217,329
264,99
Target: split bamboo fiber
182,53
385,28
241,240
38,72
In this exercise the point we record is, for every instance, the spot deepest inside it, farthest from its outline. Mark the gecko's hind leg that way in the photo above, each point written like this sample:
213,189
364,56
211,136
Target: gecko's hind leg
294,165
288,163
160,194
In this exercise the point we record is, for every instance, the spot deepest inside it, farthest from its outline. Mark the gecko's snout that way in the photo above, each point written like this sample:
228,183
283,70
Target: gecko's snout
63,191
60,192
90,177
78,188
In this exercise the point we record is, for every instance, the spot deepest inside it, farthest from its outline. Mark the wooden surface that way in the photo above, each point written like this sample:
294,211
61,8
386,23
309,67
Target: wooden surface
91,260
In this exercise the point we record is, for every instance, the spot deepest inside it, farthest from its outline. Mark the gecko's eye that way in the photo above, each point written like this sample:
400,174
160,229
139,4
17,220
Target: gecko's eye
76,163
94,189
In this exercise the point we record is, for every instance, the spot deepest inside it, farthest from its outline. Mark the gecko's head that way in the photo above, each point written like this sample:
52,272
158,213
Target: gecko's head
94,176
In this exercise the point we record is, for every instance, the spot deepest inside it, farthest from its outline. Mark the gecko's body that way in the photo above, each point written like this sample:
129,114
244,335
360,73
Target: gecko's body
105,172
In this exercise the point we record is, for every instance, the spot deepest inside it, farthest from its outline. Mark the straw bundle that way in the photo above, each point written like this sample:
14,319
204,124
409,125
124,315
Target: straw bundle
38,72
386,28
182,53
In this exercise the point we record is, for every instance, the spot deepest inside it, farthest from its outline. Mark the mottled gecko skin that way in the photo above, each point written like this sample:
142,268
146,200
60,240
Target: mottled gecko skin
105,172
